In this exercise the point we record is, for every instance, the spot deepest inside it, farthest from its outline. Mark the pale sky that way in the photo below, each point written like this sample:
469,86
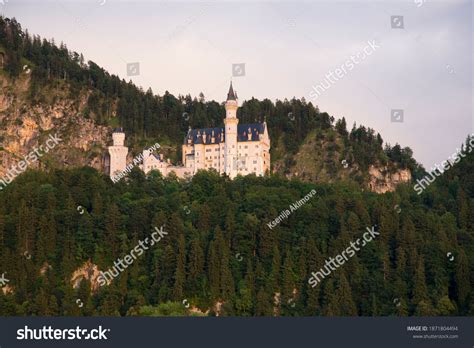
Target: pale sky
187,47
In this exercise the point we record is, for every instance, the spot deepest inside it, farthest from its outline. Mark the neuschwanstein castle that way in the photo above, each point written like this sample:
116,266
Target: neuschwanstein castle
235,149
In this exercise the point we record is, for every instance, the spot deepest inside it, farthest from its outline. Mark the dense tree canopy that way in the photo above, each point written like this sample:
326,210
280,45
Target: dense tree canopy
221,249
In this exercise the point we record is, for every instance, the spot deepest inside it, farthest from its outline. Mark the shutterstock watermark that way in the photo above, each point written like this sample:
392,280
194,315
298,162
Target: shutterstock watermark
3,280
121,265
48,333
30,158
438,170
339,73
334,263
293,207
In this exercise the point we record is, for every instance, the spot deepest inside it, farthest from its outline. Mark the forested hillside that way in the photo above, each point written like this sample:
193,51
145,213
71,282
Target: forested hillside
50,71
220,255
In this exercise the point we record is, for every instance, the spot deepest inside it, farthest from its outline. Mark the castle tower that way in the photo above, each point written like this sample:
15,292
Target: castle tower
231,121
118,152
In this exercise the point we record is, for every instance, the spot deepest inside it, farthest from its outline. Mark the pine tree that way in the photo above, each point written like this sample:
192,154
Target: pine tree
330,306
275,271
463,209
204,221
263,306
244,301
180,273
288,287
266,244
420,291
168,267
41,244
345,303
214,269
195,265
112,230
461,279
445,307
51,238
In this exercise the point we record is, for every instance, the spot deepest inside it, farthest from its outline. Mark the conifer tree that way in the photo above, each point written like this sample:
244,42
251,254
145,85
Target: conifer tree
275,271
180,273
263,306
462,279
345,303
195,265
420,292
288,288
214,269
112,230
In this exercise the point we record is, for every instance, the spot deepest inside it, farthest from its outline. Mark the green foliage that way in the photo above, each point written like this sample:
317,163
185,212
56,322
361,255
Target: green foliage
220,250
168,309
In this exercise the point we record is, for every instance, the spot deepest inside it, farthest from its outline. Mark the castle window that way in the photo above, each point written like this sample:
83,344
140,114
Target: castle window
255,162
246,147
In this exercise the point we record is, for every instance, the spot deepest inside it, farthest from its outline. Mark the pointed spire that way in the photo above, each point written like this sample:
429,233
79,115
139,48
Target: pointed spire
231,95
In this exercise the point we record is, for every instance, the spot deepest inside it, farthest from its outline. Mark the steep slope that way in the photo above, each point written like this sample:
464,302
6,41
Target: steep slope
328,157
25,127
48,89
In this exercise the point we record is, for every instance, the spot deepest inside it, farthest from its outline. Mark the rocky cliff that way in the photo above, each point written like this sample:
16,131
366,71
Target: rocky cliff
25,126
381,180
26,123
88,271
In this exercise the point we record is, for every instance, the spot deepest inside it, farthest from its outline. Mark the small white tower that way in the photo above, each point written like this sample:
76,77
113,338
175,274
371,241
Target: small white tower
231,121
118,152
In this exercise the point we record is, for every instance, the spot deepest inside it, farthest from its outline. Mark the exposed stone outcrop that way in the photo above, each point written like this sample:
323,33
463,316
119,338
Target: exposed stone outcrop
218,307
45,268
382,180
24,126
197,311
88,271
7,289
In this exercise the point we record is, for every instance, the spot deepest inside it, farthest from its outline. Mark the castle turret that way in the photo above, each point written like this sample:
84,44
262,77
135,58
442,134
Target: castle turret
231,121
118,152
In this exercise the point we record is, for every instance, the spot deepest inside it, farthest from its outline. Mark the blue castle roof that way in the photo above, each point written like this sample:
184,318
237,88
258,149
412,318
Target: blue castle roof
196,135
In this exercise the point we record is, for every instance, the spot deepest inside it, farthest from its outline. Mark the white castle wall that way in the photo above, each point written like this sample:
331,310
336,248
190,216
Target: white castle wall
230,156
